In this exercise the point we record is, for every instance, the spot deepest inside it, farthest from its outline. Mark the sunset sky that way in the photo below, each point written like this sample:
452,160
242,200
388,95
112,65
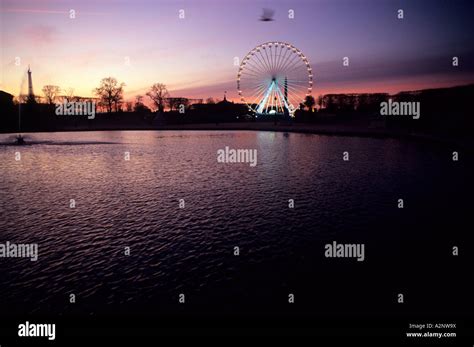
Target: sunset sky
194,56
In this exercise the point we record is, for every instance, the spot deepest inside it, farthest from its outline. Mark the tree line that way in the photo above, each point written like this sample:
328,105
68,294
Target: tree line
109,97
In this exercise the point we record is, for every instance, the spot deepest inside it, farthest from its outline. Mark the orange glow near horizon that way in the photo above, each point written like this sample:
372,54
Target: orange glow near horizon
144,43
84,85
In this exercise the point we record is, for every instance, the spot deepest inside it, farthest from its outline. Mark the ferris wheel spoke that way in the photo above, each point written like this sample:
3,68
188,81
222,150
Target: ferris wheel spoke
294,90
295,60
252,76
290,62
299,84
285,102
249,71
258,88
260,100
281,93
261,62
295,68
281,56
249,76
281,59
251,68
288,53
275,58
299,80
268,104
258,94
285,56
281,102
265,59
296,98
293,99
289,57
254,87
267,67
302,84
293,105
278,97
256,99
255,72
268,59
251,79
257,67
273,52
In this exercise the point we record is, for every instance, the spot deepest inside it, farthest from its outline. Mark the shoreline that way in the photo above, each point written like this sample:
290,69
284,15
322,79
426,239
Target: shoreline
349,130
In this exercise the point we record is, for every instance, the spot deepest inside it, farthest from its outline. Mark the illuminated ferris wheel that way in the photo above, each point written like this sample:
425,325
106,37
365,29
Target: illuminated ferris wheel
274,78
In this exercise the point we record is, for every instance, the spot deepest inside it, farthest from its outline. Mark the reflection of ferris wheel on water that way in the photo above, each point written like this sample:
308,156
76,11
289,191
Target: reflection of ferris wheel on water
274,78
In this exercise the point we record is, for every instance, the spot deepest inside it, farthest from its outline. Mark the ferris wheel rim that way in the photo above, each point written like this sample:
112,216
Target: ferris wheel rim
308,81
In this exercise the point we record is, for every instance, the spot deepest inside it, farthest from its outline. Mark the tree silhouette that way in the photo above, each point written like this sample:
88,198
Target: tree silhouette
110,93
69,94
139,107
51,93
158,94
175,103
309,102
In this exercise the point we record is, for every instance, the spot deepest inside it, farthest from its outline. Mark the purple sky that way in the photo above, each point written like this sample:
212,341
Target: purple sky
194,56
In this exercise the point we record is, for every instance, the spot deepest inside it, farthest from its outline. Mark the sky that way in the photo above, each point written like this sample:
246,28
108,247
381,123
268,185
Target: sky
144,42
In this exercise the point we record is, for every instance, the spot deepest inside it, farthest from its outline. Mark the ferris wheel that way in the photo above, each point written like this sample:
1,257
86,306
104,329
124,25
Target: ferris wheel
274,78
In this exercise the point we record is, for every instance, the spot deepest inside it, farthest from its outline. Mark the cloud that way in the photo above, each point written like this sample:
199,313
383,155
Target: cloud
36,11
366,69
33,11
40,34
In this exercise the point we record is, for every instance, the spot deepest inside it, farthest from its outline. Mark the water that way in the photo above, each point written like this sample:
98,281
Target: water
135,204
